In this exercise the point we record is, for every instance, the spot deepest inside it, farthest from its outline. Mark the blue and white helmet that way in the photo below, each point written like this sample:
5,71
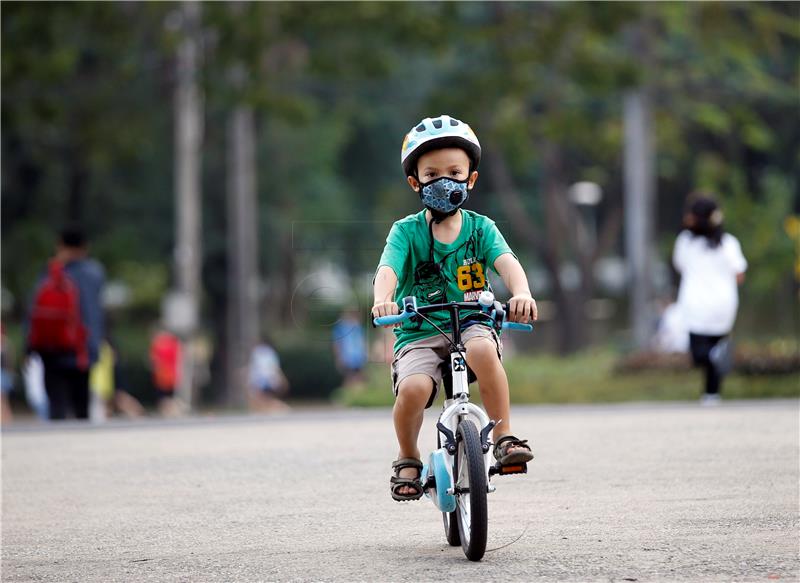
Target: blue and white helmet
434,133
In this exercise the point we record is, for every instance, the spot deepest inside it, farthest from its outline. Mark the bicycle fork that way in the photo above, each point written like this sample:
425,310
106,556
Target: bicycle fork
451,416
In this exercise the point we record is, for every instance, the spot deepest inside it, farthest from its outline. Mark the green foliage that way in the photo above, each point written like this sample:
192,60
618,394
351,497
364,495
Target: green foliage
590,377
147,282
769,248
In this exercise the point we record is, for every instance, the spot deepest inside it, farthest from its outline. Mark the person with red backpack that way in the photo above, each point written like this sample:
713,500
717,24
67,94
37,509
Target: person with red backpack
65,324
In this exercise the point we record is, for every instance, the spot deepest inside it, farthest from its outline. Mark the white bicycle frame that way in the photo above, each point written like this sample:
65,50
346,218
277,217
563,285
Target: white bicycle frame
459,407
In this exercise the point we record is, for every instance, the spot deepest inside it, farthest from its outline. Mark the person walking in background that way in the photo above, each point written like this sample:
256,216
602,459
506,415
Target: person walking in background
33,380
266,380
104,380
101,384
671,336
65,324
165,363
711,265
350,348
6,377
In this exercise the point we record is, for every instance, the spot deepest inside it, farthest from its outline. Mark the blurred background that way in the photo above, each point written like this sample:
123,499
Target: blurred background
236,168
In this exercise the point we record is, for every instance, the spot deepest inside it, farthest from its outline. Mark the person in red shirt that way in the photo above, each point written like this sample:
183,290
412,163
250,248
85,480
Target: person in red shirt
165,361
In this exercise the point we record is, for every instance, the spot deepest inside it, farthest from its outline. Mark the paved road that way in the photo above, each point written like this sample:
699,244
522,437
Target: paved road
617,493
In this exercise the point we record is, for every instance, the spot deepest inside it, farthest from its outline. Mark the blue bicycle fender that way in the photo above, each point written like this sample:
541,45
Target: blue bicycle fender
444,481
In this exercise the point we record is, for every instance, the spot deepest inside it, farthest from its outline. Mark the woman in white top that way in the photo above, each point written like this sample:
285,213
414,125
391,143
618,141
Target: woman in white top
711,266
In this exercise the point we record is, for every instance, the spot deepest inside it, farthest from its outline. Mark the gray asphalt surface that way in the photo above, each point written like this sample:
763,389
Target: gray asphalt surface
616,493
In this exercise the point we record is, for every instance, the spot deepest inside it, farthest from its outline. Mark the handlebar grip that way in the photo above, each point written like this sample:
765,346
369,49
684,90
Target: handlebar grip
390,320
517,326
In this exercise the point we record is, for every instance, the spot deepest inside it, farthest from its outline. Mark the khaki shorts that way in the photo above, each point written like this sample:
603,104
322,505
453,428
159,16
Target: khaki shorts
426,356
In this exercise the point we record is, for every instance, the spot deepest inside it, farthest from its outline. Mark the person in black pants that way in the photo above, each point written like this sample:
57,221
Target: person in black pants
711,265
66,372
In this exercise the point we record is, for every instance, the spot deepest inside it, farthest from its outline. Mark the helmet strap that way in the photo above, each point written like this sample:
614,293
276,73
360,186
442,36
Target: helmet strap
438,216
430,232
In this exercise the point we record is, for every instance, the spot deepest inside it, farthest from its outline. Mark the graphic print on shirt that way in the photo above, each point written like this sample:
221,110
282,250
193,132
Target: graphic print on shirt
429,285
471,276
464,265
471,279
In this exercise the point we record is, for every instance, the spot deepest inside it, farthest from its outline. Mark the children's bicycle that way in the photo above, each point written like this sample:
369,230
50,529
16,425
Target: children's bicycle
457,476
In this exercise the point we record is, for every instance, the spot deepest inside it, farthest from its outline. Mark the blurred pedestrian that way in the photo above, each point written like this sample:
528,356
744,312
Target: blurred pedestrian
33,379
671,335
106,385
65,324
101,384
350,348
711,265
266,381
6,377
166,362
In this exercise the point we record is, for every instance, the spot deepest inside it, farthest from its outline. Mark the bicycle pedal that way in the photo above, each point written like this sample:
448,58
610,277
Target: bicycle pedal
509,469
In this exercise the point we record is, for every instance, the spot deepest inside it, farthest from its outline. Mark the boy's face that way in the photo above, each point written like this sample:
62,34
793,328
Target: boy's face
450,162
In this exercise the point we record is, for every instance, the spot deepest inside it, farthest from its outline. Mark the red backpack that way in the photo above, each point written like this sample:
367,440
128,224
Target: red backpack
56,324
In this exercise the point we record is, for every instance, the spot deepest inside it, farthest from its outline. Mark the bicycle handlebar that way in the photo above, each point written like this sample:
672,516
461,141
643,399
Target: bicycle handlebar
518,326
409,312
391,320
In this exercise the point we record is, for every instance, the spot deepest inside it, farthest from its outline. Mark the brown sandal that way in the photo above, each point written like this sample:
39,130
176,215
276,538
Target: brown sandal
396,482
502,455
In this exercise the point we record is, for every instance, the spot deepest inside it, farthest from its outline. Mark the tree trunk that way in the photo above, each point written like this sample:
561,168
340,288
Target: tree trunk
243,281
188,143
639,220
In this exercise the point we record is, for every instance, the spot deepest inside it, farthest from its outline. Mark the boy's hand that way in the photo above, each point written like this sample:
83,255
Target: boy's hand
522,308
385,309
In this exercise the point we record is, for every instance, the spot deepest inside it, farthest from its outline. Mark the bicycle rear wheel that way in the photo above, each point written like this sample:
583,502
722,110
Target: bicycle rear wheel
450,520
470,483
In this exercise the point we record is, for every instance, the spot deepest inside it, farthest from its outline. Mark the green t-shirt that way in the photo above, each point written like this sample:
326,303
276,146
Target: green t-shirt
465,264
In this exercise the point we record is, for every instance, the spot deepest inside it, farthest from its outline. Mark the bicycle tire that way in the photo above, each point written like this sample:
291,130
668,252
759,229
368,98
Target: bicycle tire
471,506
450,519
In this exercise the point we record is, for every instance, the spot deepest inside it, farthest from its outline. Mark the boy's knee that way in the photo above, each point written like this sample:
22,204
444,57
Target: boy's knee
481,350
415,388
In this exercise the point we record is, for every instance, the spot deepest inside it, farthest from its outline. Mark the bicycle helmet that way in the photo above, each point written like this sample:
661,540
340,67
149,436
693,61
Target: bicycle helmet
434,133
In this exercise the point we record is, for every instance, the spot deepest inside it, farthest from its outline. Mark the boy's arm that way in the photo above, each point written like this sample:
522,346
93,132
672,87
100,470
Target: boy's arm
393,261
384,288
521,306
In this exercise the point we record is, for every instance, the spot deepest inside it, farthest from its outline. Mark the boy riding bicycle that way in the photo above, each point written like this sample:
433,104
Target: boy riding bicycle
442,254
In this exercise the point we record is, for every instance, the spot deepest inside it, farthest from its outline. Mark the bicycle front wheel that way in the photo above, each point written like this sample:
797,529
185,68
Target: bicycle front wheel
471,488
